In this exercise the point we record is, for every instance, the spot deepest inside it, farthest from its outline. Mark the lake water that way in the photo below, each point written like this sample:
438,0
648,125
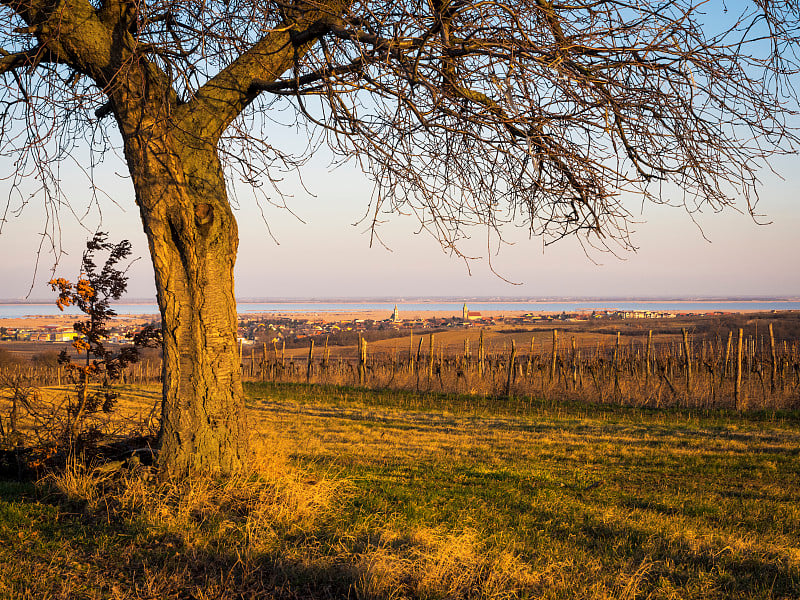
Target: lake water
244,308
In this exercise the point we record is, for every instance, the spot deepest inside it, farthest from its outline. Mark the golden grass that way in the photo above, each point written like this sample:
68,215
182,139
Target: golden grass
247,512
593,504
429,563
281,516
347,499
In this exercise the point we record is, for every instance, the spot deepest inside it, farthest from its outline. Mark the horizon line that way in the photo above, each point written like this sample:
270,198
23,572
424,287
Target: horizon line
456,299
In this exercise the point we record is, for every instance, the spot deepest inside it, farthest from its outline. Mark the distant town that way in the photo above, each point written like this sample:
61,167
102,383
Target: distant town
279,329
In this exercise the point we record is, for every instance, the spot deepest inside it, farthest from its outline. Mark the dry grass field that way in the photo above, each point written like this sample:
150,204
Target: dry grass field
359,493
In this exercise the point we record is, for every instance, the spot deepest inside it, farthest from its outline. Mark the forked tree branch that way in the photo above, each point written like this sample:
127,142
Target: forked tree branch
223,98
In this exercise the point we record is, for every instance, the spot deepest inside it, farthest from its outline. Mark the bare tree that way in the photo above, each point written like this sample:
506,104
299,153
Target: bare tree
464,112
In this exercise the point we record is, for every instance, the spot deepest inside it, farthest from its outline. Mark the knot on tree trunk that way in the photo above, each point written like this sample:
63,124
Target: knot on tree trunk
203,215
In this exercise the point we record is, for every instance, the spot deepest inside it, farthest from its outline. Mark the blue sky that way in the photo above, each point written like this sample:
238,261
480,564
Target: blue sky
327,256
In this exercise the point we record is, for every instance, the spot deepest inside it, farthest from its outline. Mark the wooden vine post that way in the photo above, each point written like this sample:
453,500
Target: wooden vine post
411,352
647,354
774,371
737,394
528,370
430,358
574,363
616,366
511,360
726,366
310,363
687,356
480,355
362,360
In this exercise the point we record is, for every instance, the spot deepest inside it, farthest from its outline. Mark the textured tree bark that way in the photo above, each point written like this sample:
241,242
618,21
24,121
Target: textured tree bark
171,151
193,240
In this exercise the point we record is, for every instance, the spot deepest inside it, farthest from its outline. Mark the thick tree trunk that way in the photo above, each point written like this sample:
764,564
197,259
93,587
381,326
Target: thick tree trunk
193,241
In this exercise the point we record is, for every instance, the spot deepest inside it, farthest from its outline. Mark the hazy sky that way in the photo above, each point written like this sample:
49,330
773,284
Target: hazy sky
329,257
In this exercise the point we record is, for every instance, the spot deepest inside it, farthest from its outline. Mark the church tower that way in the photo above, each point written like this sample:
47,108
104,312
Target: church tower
465,313
395,314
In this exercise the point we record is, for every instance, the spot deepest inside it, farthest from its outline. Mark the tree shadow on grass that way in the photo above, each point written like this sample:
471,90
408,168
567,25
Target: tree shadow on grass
752,568
50,548
53,548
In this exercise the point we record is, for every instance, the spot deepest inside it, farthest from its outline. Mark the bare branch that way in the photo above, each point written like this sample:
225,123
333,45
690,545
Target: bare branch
219,101
300,83
12,61
465,113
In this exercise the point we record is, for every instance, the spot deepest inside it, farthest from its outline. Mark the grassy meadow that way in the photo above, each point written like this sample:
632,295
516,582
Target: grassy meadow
358,493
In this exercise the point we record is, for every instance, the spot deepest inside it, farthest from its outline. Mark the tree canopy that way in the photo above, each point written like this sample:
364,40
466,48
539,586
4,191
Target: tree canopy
462,112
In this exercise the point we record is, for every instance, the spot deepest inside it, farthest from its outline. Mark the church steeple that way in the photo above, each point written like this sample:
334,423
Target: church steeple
465,313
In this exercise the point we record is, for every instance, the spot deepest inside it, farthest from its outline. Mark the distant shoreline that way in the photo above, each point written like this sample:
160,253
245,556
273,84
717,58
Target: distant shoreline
65,320
468,300
31,315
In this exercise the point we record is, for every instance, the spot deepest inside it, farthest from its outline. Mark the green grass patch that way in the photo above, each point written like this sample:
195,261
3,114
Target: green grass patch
434,401
603,499
394,494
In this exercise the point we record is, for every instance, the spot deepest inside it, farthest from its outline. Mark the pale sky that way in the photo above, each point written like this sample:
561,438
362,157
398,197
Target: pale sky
329,257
